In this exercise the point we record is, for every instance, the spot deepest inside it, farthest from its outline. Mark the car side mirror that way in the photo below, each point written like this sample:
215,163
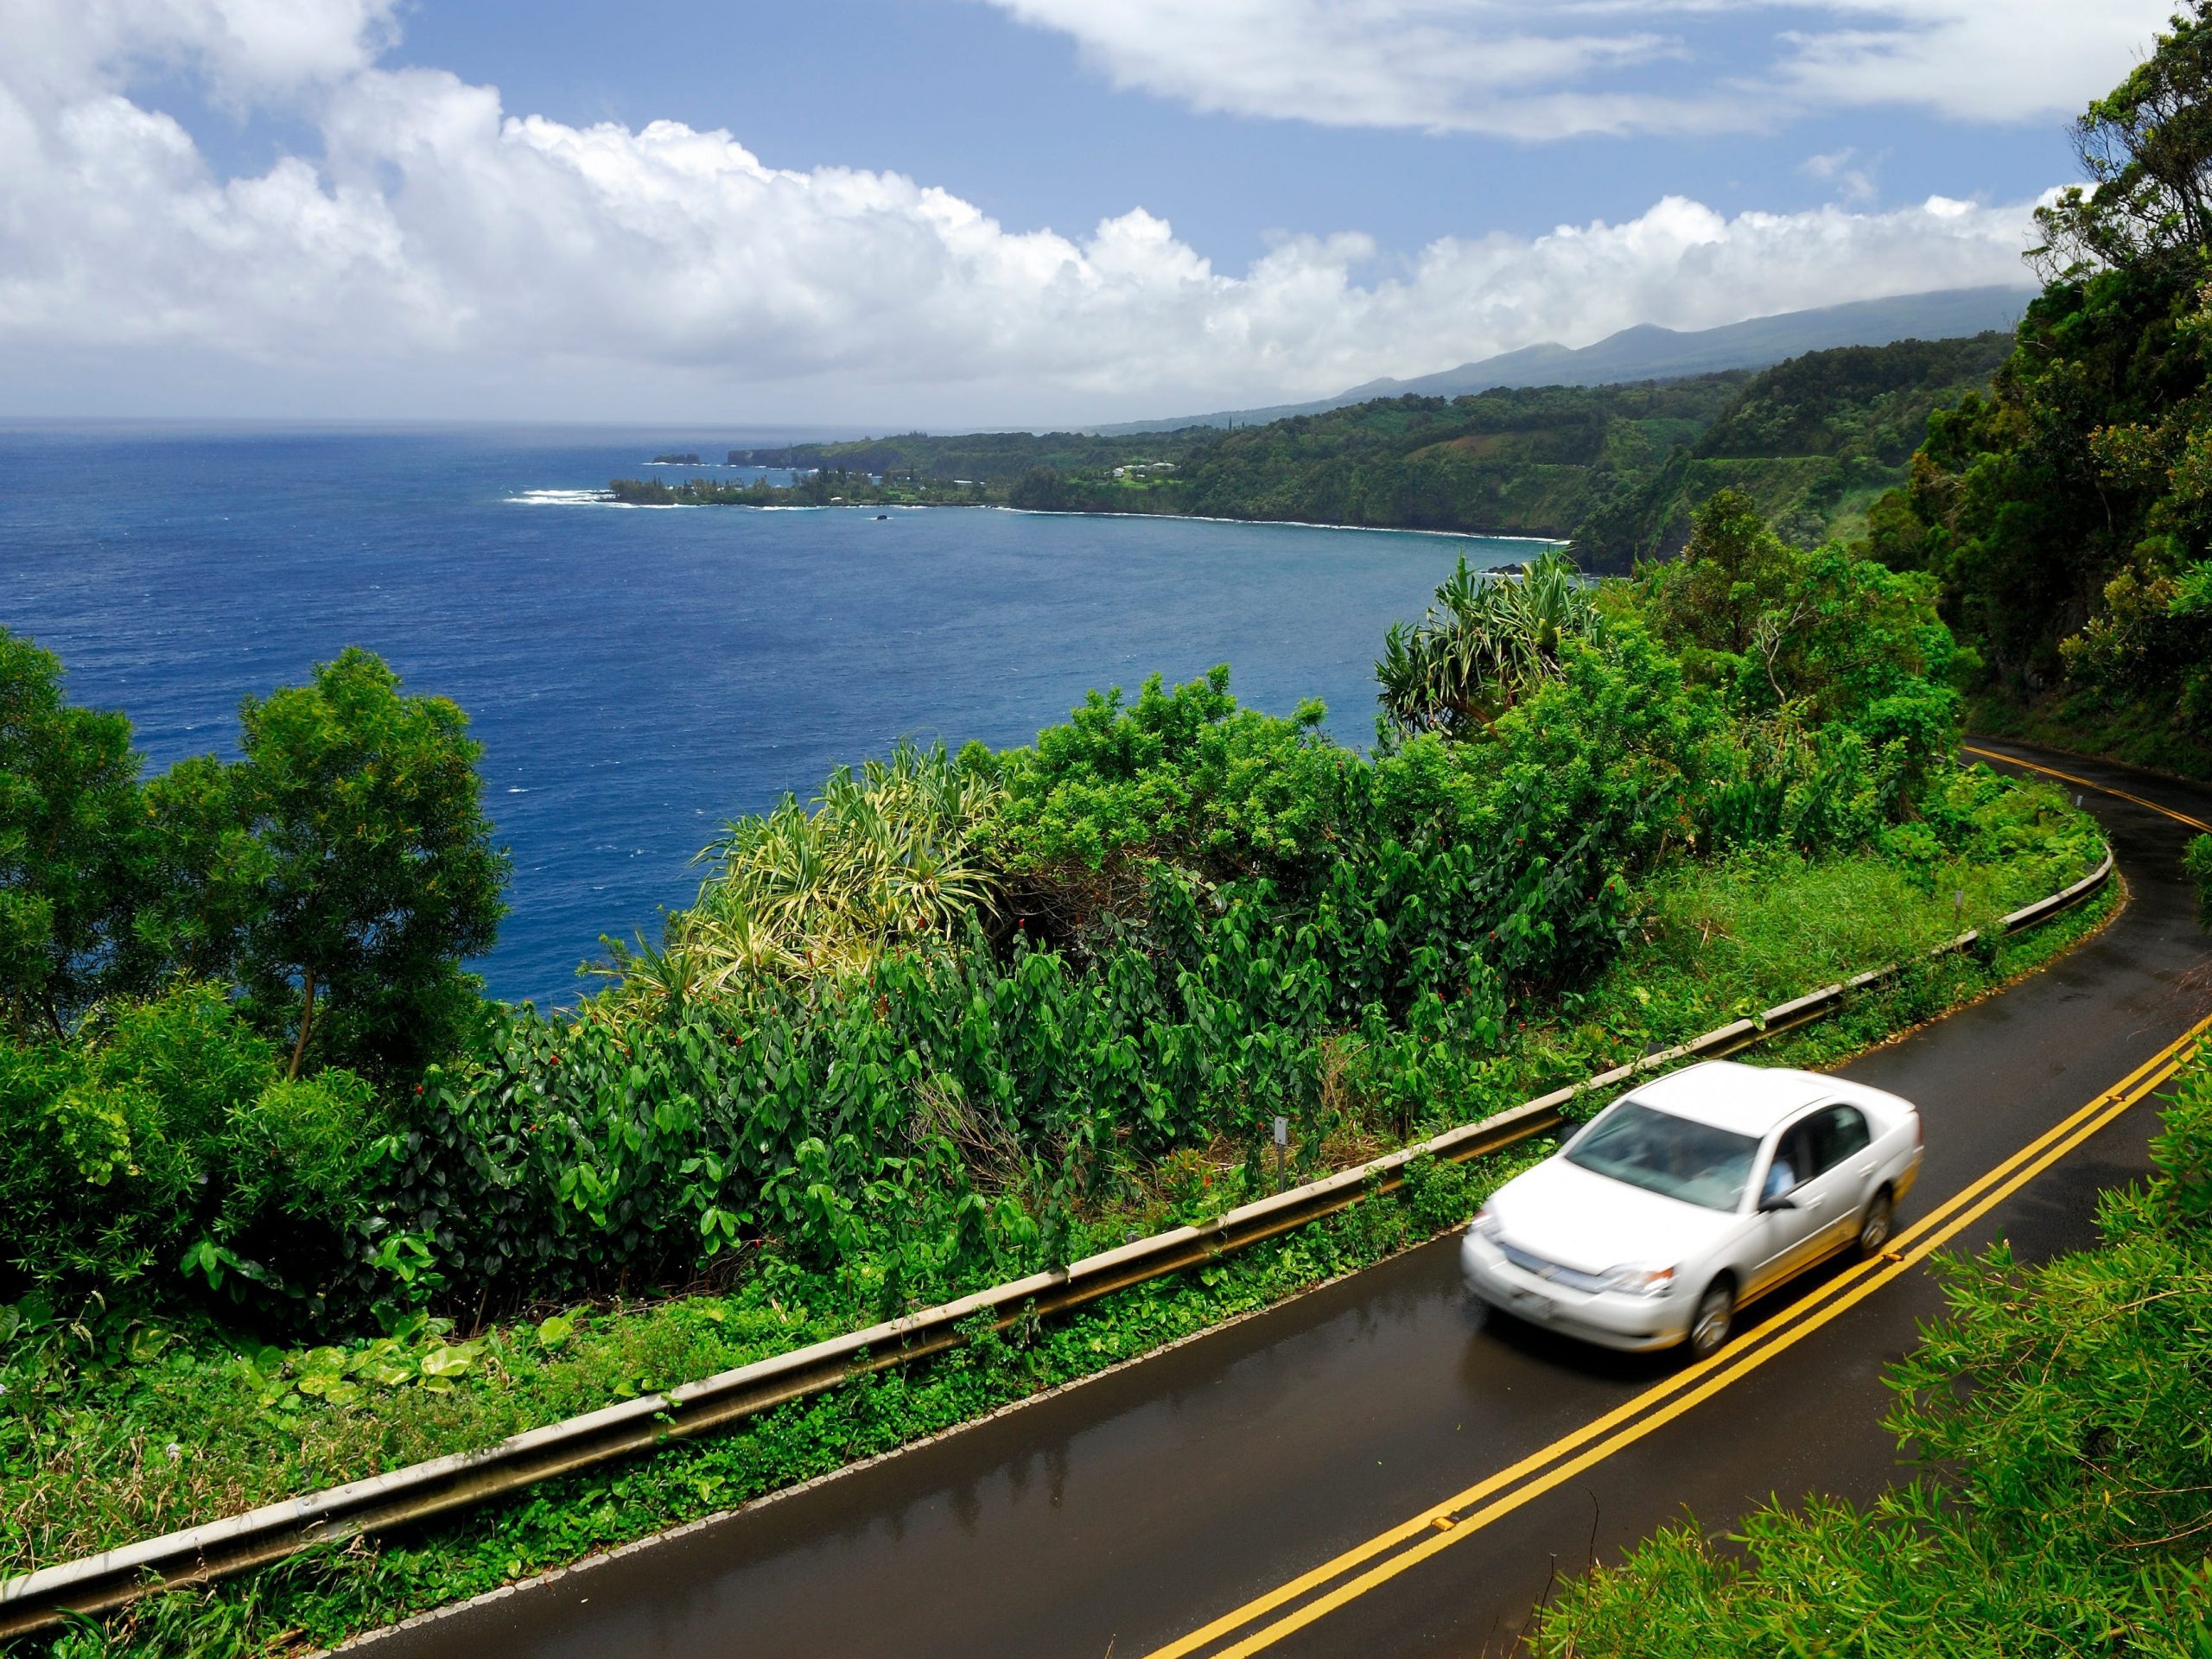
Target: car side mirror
1767,1206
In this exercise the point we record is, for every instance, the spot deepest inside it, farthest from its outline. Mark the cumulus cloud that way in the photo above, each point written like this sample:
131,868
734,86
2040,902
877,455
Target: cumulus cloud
1550,68
469,260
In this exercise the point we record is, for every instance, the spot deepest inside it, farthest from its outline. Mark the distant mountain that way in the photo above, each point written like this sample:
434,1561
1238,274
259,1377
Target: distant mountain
1650,353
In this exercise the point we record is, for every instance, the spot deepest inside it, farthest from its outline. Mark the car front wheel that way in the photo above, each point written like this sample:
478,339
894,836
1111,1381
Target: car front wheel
1874,1225
1714,1319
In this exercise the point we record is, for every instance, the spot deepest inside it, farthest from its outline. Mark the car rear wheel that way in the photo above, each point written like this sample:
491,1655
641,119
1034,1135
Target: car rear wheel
1874,1225
1714,1319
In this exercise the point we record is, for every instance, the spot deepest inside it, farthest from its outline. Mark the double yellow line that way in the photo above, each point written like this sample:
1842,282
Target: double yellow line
1465,1512
2102,789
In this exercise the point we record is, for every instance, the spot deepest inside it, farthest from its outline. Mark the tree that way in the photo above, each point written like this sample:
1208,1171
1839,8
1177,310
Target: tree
68,798
381,875
2068,515
1041,489
201,876
2147,149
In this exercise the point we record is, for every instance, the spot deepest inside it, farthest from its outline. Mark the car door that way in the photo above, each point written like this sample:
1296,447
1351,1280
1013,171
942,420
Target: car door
1833,1189
1786,1238
1843,1157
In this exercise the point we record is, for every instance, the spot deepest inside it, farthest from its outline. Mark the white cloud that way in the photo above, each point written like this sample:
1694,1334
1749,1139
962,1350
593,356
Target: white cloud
442,255
1972,60
1534,69
1852,175
245,48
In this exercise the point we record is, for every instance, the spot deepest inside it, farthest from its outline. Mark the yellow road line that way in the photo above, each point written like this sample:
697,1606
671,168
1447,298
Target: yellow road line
1704,1379
2102,789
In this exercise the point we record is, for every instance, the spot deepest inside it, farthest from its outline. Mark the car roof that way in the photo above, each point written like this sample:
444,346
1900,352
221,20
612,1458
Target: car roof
1748,1099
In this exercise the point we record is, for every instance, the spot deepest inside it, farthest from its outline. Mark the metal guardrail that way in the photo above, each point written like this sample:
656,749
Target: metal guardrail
98,1583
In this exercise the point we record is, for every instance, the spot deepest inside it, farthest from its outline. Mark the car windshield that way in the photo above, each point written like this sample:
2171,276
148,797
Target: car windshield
1661,1153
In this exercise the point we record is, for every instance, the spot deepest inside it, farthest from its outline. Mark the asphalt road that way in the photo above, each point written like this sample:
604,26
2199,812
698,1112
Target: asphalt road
1379,1468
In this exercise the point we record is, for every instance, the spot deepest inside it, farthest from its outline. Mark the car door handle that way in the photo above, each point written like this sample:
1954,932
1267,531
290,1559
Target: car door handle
1866,1170
1813,1204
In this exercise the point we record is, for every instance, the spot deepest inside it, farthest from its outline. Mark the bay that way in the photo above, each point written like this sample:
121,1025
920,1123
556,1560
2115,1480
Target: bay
638,676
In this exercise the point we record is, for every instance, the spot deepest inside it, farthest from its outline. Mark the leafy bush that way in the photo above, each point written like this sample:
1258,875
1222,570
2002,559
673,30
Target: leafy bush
168,1139
1183,776
1484,643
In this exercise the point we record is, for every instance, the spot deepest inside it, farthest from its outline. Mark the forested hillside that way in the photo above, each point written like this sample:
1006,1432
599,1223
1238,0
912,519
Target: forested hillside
1814,440
2067,514
1617,469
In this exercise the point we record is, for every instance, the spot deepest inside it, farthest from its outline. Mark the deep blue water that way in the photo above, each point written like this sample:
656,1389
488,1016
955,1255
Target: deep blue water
637,676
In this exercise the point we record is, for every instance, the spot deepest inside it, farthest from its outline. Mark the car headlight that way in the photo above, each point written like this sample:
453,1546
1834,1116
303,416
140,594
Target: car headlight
1641,1281
1486,1224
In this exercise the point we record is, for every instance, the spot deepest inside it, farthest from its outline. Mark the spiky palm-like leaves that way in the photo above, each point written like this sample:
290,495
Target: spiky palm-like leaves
1482,645
887,855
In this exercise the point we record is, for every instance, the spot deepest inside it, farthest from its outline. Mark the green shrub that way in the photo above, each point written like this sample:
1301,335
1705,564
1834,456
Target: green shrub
167,1130
1185,776
2197,863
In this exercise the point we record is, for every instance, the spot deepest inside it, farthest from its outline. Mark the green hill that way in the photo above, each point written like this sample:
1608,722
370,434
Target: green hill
1617,469
1814,440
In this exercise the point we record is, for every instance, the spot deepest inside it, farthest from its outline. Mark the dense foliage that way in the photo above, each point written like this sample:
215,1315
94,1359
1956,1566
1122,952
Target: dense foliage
2060,1410
1814,441
2068,515
209,972
68,806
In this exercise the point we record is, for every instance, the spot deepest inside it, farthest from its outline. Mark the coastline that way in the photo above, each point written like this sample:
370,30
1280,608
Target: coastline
550,498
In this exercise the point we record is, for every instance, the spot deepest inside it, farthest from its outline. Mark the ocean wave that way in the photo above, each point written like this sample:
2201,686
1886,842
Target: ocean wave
586,499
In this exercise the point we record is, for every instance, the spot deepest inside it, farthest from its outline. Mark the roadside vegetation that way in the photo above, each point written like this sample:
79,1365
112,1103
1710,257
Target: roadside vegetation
294,1205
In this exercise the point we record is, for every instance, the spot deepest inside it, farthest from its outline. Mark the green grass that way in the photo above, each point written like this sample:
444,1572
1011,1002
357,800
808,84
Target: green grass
87,1425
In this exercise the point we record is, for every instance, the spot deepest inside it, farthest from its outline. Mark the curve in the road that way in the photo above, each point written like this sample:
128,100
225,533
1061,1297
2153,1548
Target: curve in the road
1190,1493
1461,1517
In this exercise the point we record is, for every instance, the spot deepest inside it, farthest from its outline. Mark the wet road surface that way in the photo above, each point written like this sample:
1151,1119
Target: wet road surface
1124,1516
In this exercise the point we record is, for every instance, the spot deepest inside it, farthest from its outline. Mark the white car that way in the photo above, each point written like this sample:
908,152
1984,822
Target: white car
1689,1198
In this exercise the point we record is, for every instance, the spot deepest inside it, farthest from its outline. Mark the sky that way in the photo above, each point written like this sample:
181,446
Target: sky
880,213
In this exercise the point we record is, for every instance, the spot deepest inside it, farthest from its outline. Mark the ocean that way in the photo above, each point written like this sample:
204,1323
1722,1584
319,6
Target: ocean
637,676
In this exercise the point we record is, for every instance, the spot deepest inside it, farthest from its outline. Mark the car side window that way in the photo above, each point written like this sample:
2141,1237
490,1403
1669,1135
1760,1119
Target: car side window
1838,1133
1851,1133
1791,1163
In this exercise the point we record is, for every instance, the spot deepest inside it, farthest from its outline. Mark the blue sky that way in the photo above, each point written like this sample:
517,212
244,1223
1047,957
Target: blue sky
1010,117
878,211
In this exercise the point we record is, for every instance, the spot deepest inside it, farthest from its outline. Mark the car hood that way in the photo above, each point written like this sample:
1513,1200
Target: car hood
1593,1223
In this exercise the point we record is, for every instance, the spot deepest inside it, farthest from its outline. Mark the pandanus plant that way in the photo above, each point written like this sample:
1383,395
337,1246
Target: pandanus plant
1483,644
887,857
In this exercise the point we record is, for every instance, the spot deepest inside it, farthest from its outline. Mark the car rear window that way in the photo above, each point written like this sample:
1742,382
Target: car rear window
1662,1153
